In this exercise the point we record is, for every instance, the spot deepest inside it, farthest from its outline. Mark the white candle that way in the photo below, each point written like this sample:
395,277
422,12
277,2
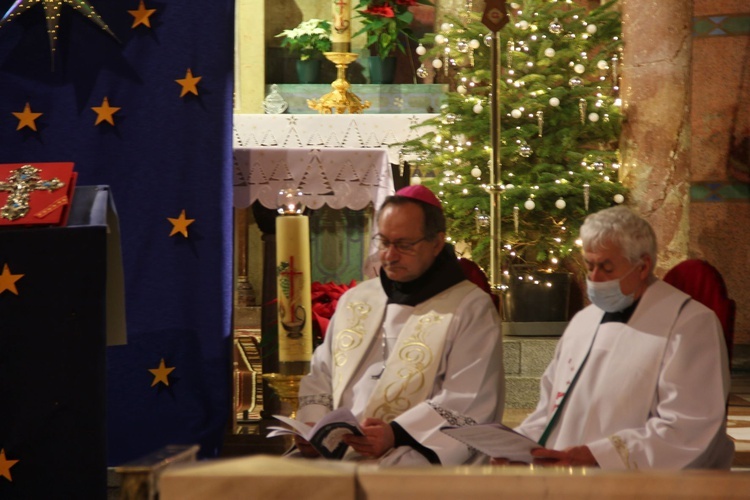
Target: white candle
341,30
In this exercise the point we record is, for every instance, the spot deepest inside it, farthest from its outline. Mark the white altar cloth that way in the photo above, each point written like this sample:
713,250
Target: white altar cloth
337,177
330,131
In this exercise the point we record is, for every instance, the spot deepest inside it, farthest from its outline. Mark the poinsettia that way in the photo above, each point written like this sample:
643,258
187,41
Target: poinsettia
325,297
384,22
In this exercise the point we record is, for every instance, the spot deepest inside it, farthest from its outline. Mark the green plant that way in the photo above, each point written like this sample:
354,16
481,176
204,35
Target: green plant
386,23
309,38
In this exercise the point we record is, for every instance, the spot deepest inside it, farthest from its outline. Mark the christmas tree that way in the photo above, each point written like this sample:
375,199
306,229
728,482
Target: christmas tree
560,126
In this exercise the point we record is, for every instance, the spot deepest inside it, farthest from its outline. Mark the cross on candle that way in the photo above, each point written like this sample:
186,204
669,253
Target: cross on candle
290,273
341,23
21,183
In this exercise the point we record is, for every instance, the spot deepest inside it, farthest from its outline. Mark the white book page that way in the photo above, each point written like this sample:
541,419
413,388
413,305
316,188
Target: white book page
495,440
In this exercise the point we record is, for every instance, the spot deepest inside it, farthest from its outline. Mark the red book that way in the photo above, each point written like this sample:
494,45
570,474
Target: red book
33,194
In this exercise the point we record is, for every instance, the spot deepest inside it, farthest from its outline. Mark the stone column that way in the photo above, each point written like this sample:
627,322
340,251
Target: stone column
655,141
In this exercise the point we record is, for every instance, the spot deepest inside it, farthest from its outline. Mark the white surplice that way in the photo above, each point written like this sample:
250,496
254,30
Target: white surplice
451,347
652,394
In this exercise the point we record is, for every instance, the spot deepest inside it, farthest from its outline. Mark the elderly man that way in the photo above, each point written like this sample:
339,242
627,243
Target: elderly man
640,377
413,351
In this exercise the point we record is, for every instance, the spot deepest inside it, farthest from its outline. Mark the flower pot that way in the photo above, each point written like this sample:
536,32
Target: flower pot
308,70
382,70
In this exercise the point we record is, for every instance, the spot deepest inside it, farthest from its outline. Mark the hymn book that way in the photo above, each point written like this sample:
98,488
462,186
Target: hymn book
326,436
495,440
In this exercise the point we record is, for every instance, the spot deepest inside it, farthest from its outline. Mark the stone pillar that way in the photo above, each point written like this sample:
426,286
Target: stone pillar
655,141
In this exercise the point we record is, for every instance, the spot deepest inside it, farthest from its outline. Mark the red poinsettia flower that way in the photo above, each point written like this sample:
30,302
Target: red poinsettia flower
325,297
382,11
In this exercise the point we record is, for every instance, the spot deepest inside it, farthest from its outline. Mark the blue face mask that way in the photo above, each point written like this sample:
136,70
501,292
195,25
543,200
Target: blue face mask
608,296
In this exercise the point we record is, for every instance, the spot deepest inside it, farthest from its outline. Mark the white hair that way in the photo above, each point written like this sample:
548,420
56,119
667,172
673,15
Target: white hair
620,226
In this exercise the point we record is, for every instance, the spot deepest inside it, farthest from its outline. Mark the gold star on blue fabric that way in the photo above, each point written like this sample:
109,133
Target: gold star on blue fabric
52,12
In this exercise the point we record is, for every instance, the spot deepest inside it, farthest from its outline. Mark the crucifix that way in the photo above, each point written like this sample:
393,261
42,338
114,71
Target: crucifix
20,184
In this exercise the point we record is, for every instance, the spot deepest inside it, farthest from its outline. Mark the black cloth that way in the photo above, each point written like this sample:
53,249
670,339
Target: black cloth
403,438
620,316
441,275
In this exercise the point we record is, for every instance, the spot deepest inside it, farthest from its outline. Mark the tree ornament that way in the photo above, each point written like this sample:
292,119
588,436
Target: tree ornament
560,203
450,119
524,25
488,40
602,64
509,53
476,172
614,69
461,89
516,113
474,44
575,82
437,63
582,109
478,108
554,102
619,198
462,46
555,27
515,218
540,121
529,204
440,39
586,188
594,117
579,68
591,29
446,27
524,150
598,165
549,52
422,72
420,50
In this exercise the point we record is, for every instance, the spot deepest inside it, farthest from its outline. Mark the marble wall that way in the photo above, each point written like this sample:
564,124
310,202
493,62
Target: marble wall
719,217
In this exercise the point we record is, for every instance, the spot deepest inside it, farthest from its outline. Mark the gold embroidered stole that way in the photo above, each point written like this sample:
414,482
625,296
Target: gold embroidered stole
411,367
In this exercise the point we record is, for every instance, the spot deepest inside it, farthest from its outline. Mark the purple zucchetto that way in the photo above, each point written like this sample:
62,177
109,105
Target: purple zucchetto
421,193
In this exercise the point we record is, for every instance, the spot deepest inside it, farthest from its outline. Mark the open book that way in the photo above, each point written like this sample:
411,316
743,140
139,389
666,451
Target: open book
326,435
495,440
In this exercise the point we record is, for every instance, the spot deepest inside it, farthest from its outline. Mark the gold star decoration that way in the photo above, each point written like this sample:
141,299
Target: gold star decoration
104,112
189,83
8,280
26,118
161,374
52,12
180,224
5,465
141,16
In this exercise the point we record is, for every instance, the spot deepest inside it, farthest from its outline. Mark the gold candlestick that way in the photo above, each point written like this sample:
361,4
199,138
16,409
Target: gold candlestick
287,388
340,100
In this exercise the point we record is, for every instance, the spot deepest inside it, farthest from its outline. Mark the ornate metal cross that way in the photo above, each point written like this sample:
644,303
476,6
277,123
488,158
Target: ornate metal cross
20,184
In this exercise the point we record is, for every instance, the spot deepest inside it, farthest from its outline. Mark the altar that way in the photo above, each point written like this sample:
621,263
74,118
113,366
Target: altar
344,165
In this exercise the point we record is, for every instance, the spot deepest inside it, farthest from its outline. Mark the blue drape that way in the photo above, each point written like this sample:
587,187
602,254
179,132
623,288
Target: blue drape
164,154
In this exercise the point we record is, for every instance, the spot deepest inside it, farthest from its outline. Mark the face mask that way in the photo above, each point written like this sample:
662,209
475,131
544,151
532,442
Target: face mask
608,296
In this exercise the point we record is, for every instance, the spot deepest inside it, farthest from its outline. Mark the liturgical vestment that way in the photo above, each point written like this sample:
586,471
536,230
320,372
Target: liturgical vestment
444,367
652,393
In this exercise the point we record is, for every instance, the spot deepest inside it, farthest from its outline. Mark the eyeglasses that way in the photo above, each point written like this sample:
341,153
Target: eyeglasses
403,247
